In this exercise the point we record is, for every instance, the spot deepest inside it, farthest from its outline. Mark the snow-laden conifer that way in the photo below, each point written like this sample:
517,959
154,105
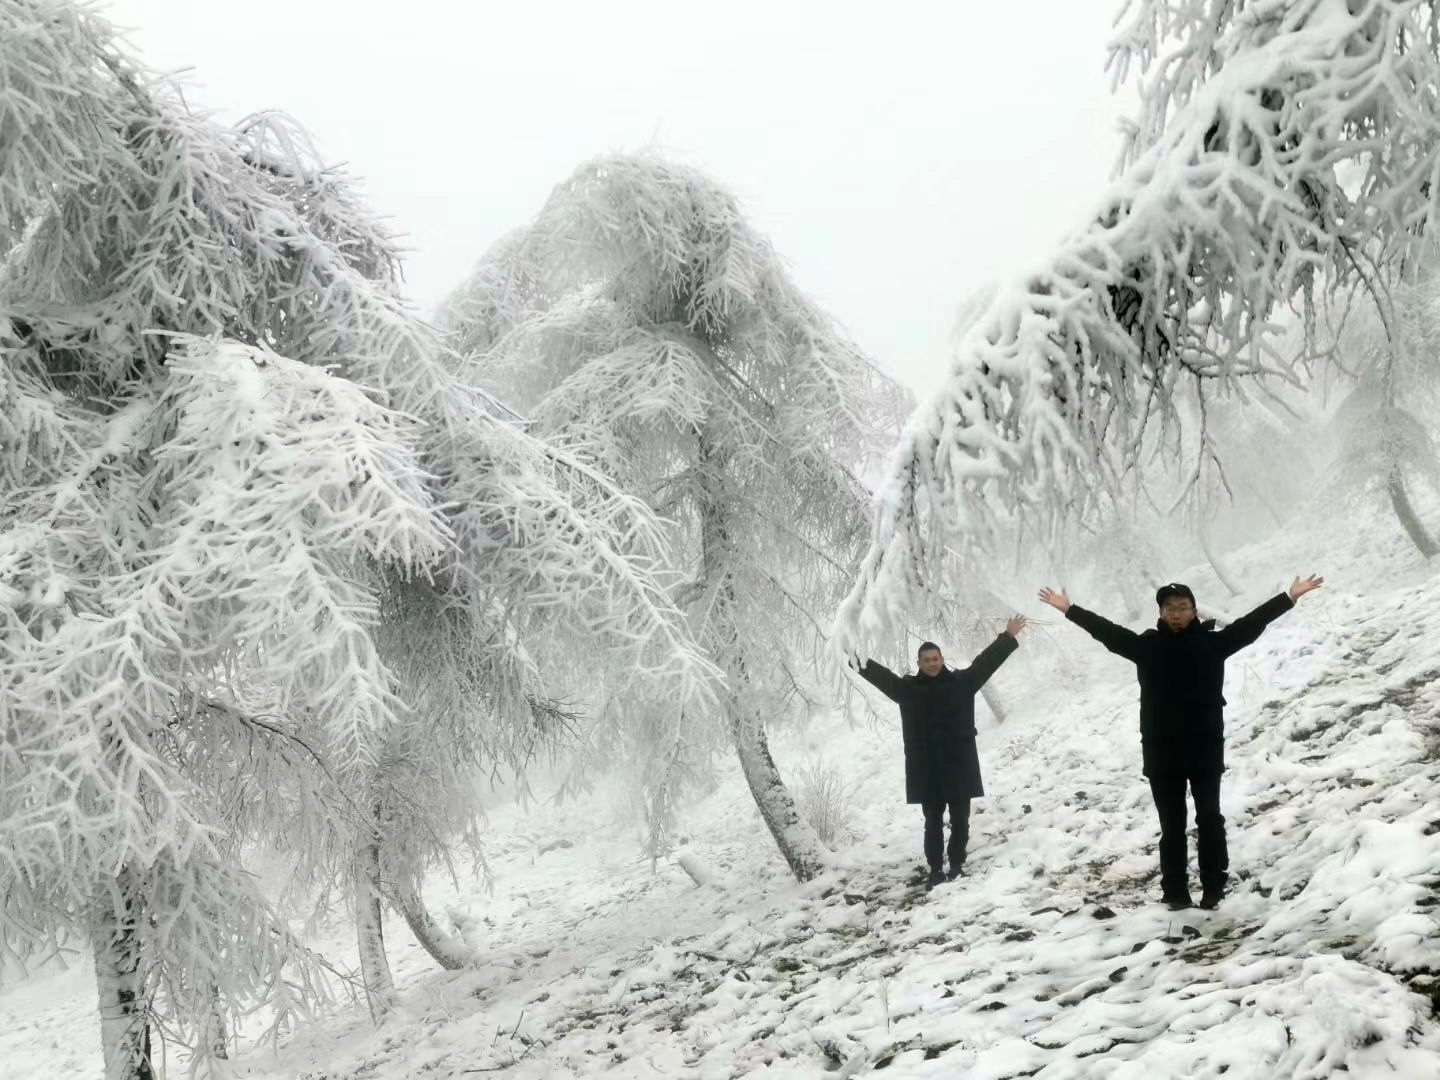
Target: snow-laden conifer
271,569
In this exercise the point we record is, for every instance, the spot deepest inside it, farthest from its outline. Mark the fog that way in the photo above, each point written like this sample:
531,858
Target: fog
900,158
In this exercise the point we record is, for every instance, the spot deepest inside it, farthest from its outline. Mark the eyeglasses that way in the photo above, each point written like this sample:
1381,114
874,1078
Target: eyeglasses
1176,609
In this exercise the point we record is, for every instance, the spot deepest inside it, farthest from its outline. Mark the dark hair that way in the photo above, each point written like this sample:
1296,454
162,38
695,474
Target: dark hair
926,646
1165,592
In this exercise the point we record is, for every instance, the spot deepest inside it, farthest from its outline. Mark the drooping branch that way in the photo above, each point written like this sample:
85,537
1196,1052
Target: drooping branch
1228,206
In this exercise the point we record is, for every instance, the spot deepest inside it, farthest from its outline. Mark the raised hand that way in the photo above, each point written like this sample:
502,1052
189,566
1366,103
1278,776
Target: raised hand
1015,625
1058,600
1300,586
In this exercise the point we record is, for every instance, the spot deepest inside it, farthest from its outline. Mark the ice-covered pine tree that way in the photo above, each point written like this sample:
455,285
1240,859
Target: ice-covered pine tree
254,523
543,581
642,321
1280,148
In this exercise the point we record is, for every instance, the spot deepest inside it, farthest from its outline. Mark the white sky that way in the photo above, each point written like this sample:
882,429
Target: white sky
900,156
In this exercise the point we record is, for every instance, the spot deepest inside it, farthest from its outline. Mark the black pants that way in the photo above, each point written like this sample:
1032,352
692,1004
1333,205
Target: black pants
934,831
1169,791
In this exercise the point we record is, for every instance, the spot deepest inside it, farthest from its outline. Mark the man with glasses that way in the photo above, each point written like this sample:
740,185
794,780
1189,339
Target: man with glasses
1181,667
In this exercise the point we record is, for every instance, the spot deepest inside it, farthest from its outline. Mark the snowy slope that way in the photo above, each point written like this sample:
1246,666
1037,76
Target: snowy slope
1052,959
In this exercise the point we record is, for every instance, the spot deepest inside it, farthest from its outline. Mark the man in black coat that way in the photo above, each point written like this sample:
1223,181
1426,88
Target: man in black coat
1181,667
937,722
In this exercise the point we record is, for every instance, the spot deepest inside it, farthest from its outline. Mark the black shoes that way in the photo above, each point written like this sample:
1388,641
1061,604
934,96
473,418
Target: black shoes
939,877
1209,900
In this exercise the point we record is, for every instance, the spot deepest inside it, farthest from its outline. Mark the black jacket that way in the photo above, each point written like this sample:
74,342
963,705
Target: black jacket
1182,678
937,720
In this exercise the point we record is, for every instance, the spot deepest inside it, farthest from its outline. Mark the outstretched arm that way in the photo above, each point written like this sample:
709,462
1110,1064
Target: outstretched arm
1244,630
882,678
996,653
1118,639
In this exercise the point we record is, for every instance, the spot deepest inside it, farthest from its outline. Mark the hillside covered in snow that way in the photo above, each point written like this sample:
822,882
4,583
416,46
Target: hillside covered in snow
1052,958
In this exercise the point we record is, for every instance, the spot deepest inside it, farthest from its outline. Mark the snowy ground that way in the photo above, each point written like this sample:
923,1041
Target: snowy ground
1052,959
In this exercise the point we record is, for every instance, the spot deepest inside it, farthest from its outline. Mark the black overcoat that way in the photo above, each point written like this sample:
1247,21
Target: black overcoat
937,720
1182,679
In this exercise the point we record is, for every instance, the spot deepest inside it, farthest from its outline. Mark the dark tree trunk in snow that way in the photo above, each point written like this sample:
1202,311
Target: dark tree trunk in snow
120,979
214,1036
445,948
1400,502
370,932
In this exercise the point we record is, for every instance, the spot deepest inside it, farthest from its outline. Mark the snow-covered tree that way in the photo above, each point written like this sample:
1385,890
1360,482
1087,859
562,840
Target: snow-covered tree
1280,149
541,530
1384,343
267,558
643,322
221,520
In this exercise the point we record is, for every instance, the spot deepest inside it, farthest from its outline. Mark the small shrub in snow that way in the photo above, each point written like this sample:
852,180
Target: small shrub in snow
824,797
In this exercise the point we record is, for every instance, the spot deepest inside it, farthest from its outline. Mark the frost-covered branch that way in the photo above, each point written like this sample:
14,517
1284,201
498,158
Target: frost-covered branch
1274,140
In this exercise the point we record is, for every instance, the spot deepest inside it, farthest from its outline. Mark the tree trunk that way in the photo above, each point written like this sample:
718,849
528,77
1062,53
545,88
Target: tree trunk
1220,571
1264,499
793,835
214,1037
445,948
1400,503
1142,602
992,699
124,1014
370,932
